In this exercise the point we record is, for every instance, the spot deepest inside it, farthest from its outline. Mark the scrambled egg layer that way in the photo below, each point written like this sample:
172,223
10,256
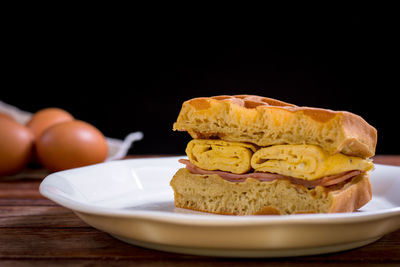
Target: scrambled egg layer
221,155
308,162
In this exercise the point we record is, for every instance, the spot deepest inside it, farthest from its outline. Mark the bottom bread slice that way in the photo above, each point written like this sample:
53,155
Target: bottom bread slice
211,193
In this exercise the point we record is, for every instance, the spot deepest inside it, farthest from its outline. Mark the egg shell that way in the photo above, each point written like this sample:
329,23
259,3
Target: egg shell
46,118
16,146
71,144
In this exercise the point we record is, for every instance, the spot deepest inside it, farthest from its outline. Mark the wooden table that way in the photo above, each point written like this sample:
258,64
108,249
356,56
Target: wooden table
36,231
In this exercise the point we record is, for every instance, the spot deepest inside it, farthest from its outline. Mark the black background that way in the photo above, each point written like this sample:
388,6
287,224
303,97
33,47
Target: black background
124,76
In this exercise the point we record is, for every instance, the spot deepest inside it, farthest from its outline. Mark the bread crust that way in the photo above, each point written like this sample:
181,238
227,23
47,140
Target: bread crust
213,194
352,196
265,121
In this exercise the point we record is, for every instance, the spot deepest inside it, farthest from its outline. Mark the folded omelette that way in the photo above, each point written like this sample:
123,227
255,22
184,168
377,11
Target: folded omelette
308,162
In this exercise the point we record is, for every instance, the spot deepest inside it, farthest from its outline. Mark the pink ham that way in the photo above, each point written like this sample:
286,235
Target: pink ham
267,176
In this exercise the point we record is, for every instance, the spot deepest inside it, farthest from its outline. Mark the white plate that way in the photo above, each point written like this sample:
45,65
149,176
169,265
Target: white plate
132,200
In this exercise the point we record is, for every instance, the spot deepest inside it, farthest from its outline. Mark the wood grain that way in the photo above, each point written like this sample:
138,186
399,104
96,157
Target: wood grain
35,231
387,159
38,217
23,188
86,243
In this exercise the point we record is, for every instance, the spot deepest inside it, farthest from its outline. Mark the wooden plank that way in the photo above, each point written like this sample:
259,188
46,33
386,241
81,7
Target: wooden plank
387,159
26,188
38,216
27,202
83,243
88,243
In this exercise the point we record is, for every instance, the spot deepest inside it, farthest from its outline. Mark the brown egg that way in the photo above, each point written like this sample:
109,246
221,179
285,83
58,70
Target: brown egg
16,145
6,116
71,144
46,118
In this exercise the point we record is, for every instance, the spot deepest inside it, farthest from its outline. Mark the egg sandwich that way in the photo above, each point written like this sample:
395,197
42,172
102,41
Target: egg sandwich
253,155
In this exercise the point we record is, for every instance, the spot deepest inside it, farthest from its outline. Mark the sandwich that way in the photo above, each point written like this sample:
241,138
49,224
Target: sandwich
253,155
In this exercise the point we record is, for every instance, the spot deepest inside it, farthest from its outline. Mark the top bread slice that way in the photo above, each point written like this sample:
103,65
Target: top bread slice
265,121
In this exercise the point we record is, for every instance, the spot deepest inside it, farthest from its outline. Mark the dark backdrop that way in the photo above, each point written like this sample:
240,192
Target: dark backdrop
136,78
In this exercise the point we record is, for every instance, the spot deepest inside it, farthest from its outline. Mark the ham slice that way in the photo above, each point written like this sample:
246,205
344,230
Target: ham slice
267,176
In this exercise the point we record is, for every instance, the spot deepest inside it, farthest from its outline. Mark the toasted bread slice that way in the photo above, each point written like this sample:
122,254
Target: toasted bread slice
211,193
266,121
